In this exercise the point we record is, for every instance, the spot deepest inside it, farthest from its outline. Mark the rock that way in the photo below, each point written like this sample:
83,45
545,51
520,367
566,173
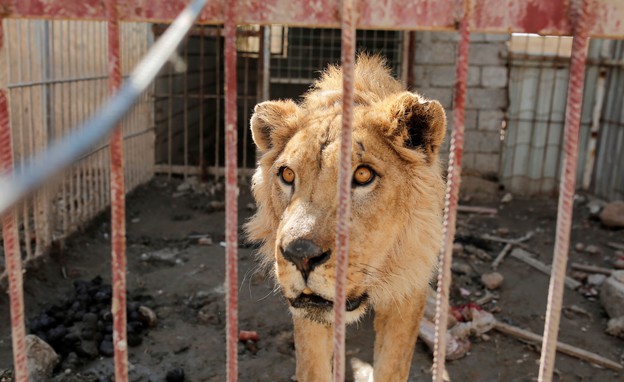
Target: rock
147,316
615,327
593,250
175,375
87,349
204,241
458,248
251,206
596,279
164,256
619,263
579,247
214,205
502,231
184,187
492,280
461,268
595,206
612,214
106,348
612,294
40,359
507,198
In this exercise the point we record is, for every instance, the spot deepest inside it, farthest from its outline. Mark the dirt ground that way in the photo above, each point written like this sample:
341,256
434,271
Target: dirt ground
187,296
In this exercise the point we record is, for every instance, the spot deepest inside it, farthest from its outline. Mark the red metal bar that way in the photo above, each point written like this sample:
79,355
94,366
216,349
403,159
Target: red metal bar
452,192
566,189
344,187
500,16
231,193
10,237
118,205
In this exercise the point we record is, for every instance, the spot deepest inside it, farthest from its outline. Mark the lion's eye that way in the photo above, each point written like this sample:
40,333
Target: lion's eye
287,175
363,175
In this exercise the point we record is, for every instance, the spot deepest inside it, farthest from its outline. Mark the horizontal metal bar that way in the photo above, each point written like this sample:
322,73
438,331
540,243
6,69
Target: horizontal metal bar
125,138
497,16
196,170
53,82
197,96
63,153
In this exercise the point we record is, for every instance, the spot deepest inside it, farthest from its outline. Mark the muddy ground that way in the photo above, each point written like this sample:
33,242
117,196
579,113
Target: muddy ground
187,296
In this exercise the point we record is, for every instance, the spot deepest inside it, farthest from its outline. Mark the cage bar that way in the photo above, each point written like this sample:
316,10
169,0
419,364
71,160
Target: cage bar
10,235
566,190
118,205
344,187
231,194
452,192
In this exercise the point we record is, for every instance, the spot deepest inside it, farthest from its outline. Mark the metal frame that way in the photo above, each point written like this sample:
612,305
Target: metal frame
560,17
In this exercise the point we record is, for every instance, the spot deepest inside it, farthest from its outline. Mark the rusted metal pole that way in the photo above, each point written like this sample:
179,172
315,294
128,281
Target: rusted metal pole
118,205
10,234
344,187
566,189
231,194
452,192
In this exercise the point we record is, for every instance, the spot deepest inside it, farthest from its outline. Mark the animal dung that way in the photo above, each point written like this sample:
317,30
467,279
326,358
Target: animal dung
82,322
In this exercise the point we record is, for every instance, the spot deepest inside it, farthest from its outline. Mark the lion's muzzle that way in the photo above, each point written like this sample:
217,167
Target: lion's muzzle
305,255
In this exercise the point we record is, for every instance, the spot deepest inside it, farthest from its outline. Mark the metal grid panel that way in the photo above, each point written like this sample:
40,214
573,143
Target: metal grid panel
56,77
609,169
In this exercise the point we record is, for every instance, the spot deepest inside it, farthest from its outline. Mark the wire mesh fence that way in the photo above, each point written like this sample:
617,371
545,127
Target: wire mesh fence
56,77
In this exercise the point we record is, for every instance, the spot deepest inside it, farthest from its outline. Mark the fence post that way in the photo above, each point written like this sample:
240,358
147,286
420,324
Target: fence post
566,188
231,197
10,233
118,205
452,192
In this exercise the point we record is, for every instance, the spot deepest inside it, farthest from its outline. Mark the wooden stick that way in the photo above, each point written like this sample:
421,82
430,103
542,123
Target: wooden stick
477,210
525,256
525,335
501,255
517,241
616,246
592,269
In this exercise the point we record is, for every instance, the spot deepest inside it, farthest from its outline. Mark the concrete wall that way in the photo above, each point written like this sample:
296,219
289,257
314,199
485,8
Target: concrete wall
486,100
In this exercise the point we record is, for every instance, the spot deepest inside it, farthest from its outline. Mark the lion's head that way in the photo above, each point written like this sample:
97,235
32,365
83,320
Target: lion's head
396,192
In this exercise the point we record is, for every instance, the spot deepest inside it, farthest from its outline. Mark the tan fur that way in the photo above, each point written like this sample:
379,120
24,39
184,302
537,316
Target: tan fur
396,221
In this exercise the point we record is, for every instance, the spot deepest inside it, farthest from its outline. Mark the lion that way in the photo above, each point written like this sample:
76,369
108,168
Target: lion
396,211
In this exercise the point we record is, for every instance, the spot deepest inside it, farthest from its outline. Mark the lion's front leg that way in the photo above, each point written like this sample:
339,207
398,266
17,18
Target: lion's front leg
313,347
396,330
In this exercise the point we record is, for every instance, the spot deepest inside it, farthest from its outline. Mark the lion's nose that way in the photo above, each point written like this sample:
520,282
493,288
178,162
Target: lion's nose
305,255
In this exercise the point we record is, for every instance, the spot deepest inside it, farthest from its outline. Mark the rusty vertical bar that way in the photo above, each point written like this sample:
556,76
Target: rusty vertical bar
231,194
10,233
344,186
118,207
452,192
566,188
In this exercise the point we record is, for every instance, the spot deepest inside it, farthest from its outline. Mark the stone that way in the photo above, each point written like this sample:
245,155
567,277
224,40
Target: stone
458,248
612,294
40,359
593,249
612,214
164,256
507,198
461,269
204,240
615,327
175,375
492,280
596,279
579,247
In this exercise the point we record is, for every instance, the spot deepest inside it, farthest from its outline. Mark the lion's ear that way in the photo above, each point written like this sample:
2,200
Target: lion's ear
418,122
271,123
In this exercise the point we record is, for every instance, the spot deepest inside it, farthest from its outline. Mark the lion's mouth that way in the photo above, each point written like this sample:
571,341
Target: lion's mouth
308,301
